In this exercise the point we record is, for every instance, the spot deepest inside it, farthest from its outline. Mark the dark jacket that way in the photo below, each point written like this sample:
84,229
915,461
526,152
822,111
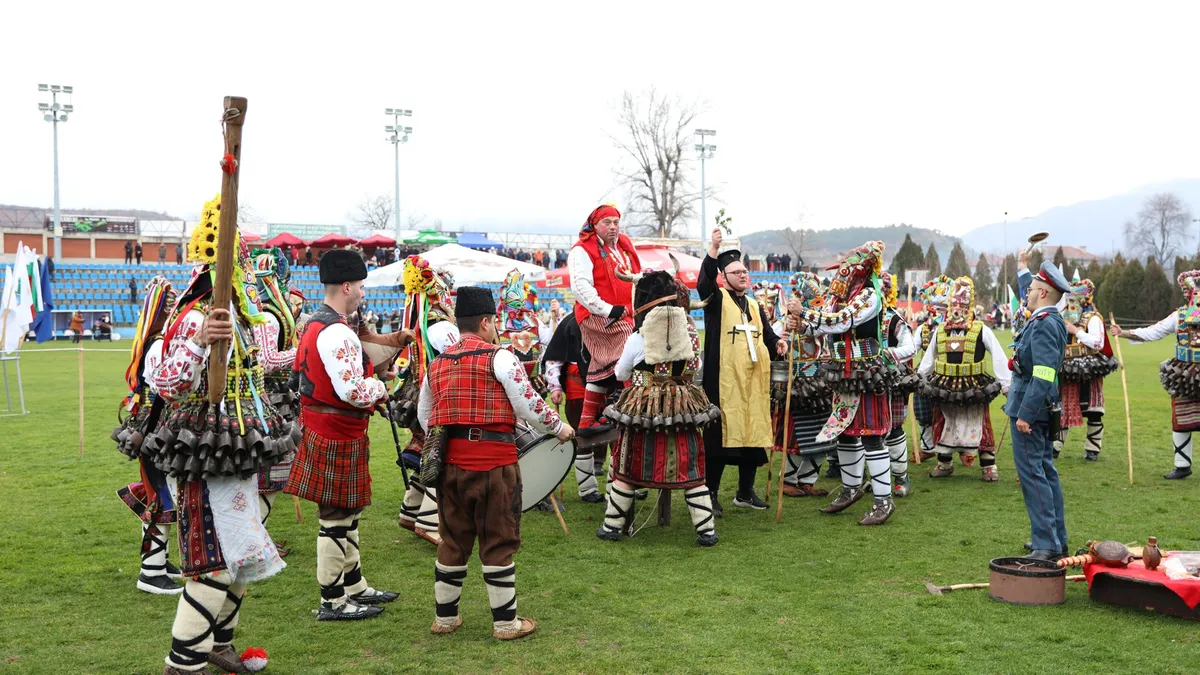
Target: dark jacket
1037,357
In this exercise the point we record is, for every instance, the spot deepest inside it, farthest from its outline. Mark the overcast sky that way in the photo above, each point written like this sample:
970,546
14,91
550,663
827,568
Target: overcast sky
943,115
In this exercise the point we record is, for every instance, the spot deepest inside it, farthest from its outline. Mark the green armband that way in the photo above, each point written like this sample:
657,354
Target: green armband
1044,372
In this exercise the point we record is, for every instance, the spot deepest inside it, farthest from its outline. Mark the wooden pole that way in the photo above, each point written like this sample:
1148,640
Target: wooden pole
81,399
787,422
233,117
296,502
1125,390
557,512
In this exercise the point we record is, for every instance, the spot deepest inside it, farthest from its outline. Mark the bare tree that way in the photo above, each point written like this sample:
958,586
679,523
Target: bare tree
656,134
794,236
374,213
413,221
437,224
248,214
1160,228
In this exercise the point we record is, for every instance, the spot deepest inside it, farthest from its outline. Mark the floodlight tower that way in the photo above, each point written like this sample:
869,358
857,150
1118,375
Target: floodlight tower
706,152
399,134
55,112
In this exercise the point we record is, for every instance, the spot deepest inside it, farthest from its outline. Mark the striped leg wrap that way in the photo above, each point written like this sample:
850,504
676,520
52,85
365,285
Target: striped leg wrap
201,602
265,503
447,587
620,500
850,461
352,575
585,474
593,404
413,497
427,517
987,459
897,445
809,471
227,620
879,465
502,593
154,549
1095,435
1061,440
699,503
791,474
927,438
331,559
1183,448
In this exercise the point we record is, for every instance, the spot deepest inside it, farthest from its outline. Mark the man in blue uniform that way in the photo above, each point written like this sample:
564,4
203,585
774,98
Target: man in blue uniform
1032,400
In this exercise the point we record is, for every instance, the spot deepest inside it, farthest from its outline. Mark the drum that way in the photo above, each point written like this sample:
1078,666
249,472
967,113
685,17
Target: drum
545,462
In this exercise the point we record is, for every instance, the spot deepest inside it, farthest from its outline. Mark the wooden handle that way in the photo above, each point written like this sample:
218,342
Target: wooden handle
1116,342
234,116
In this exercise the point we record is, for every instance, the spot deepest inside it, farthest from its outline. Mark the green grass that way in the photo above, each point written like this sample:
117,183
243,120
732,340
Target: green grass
815,594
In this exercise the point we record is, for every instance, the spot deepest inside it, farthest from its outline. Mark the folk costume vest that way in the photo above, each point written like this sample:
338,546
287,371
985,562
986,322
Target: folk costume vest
464,387
745,385
315,386
604,265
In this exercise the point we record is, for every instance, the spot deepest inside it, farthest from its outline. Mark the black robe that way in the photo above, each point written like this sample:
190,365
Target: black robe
706,286
566,347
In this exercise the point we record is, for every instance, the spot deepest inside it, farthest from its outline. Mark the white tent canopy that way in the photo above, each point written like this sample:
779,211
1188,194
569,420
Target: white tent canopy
469,267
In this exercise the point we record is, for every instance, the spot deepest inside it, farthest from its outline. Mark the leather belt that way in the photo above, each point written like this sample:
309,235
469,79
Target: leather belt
475,435
344,412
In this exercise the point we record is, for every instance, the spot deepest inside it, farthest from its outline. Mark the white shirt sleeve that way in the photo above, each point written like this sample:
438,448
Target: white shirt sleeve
341,354
545,331
999,357
443,335
864,315
579,265
552,371
926,367
424,404
183,361
153,359
906,346
1158,331
527,405
633,354
1093,336
269,357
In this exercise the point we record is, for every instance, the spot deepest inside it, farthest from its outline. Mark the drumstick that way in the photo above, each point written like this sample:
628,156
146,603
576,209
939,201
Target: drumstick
554,505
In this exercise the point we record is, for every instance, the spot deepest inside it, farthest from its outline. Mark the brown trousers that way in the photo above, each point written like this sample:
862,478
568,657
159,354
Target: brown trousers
483,505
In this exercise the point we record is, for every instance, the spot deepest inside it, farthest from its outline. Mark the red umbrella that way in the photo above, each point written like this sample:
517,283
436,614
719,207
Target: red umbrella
653,256
330,240
286,240
250,237
377,240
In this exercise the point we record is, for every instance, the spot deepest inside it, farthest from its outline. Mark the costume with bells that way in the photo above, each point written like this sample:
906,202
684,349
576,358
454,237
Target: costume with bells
935,294
957,381
152,498
903,346
215,452
429,311
1088,360
566,371
812,400
602,305
337,395
738,343
1180,375
472,395
520,328
861,372
276,340
661,415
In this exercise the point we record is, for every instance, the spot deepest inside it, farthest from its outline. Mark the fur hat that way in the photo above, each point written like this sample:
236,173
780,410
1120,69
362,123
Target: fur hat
660,319
339,266
474,301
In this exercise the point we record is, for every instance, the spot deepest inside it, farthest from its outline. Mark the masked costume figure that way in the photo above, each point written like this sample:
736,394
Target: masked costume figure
1088,360
811,399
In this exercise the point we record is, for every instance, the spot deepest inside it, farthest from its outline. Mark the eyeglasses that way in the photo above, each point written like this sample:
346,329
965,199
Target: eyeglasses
739,273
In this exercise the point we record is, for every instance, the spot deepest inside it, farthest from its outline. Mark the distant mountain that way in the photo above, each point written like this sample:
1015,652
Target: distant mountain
824,245
1097,225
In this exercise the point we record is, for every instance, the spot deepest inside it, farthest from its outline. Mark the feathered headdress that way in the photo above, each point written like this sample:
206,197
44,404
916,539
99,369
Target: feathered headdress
429,292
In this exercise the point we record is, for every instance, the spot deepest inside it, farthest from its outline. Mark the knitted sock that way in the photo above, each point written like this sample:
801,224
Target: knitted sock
593,404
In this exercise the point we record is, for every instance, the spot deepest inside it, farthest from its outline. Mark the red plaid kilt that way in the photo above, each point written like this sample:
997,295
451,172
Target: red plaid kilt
332,473
899,410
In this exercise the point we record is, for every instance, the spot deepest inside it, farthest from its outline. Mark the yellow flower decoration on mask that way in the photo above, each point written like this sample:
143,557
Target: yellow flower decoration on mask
202,247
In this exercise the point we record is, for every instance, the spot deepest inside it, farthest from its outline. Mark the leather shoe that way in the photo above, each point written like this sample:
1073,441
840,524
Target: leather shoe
1043,554
1179,473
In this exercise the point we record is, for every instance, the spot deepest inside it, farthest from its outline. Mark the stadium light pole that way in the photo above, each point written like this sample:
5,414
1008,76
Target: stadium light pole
706,152
399,134
54,112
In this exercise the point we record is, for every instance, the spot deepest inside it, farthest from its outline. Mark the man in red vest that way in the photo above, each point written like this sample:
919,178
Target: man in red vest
602,301
337,394
473,394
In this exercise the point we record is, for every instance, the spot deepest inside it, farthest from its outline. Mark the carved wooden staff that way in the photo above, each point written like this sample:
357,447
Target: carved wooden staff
1125,390
232,119
787,421
912,398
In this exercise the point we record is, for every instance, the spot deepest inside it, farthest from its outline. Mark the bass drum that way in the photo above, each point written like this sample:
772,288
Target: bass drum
544,461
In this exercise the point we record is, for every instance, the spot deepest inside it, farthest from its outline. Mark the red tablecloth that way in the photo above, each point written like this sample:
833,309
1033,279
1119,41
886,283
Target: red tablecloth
1188,590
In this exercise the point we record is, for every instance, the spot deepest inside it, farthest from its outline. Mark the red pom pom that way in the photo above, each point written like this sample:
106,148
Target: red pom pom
228,163
255,659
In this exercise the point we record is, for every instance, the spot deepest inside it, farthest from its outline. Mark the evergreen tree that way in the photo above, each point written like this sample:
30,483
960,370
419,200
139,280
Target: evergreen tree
1006,277
957,265
1123,301
908,257
932,262
983,281
1182,264
1060,258
1154,302
1035,261
1095,273
1112,279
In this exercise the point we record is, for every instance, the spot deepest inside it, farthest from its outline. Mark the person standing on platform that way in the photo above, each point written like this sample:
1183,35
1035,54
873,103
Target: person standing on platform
1033,408
738,343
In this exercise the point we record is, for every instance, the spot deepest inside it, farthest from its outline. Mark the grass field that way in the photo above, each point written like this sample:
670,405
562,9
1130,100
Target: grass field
815,594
